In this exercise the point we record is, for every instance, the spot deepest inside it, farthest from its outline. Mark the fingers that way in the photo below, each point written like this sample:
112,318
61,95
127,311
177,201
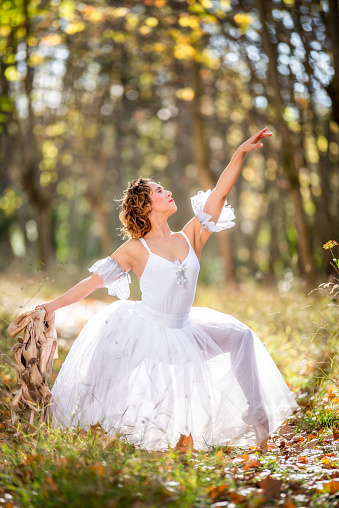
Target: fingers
253,146
261,134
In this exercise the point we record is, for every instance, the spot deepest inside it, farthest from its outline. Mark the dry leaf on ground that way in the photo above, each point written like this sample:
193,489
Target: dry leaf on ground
270,486
251,464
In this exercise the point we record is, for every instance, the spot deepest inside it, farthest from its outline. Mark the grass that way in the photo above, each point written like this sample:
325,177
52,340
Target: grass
47,467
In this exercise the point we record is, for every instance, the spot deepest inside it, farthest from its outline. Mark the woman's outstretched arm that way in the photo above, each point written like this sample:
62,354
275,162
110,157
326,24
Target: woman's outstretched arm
123,256
216,199
229,176
76,293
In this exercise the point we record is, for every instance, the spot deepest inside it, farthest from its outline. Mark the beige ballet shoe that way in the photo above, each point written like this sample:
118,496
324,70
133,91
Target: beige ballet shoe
30,353
28,395
17,352
16,403
36,377
45,392
19,323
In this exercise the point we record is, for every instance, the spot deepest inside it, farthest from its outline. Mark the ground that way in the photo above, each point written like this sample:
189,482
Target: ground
47,467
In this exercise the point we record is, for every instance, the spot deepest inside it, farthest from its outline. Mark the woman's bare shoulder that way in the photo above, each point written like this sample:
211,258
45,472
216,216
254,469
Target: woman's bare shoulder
128,253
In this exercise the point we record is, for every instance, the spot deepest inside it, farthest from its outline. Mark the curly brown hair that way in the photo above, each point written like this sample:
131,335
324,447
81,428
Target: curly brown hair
135,212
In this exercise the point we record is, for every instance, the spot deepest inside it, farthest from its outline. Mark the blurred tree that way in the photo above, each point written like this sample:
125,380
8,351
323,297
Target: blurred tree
93,95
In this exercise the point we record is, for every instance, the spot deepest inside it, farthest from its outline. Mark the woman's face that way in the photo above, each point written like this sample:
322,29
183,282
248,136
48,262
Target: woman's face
161,199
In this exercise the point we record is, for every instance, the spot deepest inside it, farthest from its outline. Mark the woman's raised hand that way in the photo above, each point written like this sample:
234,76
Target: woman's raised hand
252,142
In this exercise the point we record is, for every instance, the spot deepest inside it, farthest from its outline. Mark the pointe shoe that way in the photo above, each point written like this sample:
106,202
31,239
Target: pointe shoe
30,353
17,352
36,377
16,402
45,392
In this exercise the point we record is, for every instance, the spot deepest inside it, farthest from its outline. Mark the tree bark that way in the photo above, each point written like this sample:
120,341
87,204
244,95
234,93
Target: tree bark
288,161
332,23
206,178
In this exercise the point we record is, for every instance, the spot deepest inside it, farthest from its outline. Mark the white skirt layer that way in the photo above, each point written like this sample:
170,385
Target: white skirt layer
211,378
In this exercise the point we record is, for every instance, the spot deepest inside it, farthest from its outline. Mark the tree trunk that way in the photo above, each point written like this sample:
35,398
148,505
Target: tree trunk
205,176
103,228
44,236
332,23
289,165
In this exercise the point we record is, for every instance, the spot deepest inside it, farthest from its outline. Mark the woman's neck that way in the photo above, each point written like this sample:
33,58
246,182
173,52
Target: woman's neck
159,229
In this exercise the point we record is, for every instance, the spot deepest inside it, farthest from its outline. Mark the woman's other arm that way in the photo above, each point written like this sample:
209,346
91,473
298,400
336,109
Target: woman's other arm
87,286
76,293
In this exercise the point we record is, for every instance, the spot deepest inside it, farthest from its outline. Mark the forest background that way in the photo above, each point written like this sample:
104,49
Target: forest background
94,95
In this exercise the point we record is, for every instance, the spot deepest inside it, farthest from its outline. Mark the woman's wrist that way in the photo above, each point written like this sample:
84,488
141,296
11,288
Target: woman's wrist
239,153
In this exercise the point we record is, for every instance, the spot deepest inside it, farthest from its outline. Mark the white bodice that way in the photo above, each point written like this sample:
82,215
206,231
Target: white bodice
168,287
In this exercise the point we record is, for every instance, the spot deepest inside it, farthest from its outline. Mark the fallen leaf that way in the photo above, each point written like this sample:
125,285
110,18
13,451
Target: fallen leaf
32,458
215,492
304,460
242,458
289,504
336,434
51,483
108,442
270,486
311,444
326,461
98,469
184,444
332,487
235,497
251,464
297,438
62,461
286,430
96,430
219,455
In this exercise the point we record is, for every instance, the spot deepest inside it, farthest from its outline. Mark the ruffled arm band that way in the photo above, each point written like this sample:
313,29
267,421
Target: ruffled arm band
225,220
114,278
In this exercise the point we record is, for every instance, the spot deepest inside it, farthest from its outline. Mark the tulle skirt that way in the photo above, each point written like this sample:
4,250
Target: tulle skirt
213,379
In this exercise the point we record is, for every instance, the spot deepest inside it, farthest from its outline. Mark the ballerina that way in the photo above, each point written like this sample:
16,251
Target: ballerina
158,369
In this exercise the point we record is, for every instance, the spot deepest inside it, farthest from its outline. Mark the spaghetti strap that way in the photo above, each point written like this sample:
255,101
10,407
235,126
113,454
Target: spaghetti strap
185,236
145,245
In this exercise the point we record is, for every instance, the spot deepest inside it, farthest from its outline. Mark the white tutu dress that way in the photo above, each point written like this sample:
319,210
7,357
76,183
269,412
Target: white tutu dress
157,368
